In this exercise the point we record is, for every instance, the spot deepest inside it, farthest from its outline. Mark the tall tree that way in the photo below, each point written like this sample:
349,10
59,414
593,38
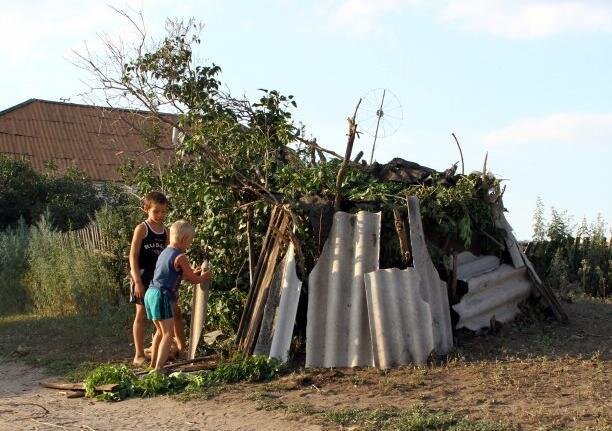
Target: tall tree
539,224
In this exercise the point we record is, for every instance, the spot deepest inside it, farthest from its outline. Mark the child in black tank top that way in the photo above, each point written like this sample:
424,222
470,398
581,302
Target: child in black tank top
150,238
151,246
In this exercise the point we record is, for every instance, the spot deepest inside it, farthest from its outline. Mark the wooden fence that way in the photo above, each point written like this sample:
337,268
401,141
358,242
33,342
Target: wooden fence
89,238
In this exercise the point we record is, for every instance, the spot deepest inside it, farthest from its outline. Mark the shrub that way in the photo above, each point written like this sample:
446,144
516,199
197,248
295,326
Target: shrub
563,257
64,278
70,199
13,267
22,192
116,224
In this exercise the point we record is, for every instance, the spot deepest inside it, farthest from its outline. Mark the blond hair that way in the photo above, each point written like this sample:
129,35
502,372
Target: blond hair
179,229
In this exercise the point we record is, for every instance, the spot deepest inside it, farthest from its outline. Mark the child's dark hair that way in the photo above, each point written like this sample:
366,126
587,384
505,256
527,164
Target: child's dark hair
154,197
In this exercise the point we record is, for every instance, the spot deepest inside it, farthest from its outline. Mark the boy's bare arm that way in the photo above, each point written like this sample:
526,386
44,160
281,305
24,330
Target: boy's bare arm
189,273
139,234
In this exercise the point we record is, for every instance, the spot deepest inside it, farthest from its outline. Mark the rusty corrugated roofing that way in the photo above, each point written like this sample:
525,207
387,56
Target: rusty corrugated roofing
94,139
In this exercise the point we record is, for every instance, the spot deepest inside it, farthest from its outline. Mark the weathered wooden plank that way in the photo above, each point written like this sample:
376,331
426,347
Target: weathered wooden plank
199,309
549,296
267,274
275,214
63,386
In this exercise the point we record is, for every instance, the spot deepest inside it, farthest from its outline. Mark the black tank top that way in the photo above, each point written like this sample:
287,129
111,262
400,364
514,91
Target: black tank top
152,245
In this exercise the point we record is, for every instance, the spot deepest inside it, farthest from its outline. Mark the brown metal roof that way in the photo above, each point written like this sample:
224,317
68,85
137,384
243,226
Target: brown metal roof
94,139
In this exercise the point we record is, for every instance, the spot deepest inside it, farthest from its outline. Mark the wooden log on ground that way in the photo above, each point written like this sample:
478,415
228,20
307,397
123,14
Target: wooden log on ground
63,386
167,367
80,387
198,367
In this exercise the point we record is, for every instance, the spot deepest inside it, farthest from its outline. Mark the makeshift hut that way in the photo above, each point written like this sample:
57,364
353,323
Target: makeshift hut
391,281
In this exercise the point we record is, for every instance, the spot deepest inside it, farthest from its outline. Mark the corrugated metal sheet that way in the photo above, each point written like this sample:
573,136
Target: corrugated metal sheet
470,265
433,290
337,327
274,338
494,294
94,139
400,320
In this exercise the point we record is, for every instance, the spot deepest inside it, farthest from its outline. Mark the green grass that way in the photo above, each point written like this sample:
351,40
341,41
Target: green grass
562,428
239,369
305,409
414,419
417,418
67,346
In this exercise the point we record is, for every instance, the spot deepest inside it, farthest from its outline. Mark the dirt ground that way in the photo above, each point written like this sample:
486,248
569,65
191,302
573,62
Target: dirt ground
25,405
532,374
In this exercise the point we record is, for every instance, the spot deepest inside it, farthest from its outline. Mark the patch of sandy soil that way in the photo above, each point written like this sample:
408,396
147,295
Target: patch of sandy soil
533,374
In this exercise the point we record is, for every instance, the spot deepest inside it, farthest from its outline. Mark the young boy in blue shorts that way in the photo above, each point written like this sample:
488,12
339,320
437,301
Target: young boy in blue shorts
172,266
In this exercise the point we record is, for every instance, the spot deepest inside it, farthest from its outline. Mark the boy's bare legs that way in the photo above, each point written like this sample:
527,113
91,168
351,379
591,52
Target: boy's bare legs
157,338
138,329
179,330
167,332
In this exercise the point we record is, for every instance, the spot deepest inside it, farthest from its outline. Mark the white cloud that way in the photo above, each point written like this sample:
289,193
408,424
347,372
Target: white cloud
566,128
36,30
529,19
363,16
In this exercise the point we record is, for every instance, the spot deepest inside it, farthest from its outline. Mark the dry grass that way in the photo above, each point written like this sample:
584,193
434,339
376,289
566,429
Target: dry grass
534,374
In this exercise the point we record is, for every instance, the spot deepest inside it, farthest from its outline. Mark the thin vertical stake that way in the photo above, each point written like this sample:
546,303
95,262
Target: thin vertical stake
379,114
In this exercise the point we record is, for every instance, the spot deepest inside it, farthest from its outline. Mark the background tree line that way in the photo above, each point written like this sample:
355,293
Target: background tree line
565,254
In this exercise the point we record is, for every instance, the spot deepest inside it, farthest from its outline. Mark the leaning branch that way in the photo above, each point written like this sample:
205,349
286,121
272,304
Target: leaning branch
460,153
347,157
312,144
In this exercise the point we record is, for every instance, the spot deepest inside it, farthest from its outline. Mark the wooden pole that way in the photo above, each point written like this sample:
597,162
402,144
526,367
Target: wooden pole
249,243
347,157
400,228
379,114
453,286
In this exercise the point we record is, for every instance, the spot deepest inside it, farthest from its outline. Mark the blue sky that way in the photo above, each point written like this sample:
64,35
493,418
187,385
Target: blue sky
528,81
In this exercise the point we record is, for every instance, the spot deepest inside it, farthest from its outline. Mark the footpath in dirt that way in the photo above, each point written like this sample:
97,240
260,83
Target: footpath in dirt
25,405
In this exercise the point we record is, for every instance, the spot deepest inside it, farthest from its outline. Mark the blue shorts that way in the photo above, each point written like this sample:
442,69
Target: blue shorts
158,304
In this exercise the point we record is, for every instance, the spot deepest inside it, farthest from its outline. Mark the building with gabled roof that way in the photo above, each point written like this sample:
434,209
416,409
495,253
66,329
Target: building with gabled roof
94,139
